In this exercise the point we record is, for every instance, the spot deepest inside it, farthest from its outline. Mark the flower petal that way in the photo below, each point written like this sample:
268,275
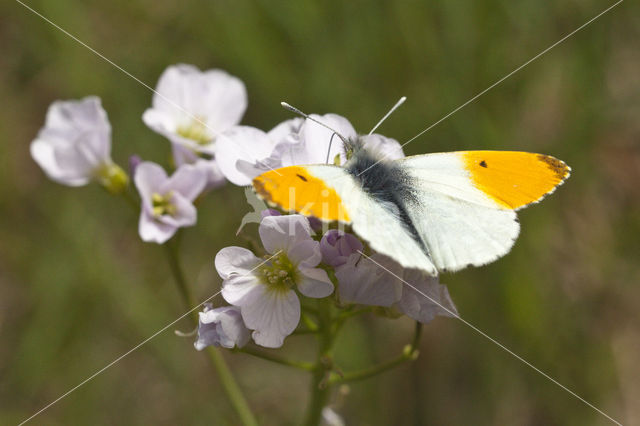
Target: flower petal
336,246
74,142
233,261
69,119
162,122
183,155
240,290
251,170
214,94
287,131
185,212
273,316
305,253
315,283
172,89
382,146
154,231
242,143
425,297
317,139
221,327
222,98
282,232
368,281
149,178
233,326
43,153
188,180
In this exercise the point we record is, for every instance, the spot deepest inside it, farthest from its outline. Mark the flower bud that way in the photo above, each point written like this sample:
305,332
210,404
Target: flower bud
134,160
336,247
221,327
113,178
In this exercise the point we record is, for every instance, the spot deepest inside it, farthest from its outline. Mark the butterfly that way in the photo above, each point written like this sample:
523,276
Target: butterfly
434,212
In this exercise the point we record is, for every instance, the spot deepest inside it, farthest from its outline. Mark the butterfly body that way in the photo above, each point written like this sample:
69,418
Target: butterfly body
387,183
434,212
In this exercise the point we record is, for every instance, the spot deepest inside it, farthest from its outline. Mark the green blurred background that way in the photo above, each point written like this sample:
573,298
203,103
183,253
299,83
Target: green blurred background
79,288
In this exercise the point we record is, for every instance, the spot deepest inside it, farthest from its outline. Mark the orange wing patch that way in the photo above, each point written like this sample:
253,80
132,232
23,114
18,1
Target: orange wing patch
515,179
295,189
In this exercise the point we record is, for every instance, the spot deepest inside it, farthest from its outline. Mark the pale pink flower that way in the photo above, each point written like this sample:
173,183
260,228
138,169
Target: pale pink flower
167,202
266,293
74,146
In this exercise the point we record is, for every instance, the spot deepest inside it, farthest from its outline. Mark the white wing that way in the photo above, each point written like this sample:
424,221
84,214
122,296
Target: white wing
460,225
375,222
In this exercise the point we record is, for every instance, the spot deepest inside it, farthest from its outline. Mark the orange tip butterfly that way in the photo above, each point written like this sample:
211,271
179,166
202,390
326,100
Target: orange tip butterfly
434,212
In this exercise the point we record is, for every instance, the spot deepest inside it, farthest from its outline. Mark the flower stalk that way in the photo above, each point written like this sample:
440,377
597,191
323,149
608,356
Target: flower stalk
225,376
409,353
306,366
320,386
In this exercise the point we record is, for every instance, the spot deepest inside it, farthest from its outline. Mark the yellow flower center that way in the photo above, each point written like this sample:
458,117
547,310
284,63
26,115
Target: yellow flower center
279,275
162,205
196,130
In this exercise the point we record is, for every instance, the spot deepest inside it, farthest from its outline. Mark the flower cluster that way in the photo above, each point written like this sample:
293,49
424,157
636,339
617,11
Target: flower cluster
266,290
199,113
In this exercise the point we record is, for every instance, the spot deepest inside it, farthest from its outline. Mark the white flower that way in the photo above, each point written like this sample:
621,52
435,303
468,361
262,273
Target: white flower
266,294
192,107
314,141
221,327
167,202
425,297
74,146
246,152
319,145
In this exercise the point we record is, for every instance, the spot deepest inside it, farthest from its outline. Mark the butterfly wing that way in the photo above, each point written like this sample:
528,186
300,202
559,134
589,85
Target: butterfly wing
330,193
465,202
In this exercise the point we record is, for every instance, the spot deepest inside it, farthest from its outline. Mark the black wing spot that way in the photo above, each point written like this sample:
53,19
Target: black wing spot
301,177
483,164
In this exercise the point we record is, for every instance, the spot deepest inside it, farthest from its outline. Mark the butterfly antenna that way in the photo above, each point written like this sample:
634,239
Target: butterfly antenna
308,117
329,150
400,102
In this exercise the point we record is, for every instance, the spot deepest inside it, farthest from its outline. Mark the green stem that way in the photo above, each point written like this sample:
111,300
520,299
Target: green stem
409,353
231,387
308,322
352,312
320,387
307,366
225,376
